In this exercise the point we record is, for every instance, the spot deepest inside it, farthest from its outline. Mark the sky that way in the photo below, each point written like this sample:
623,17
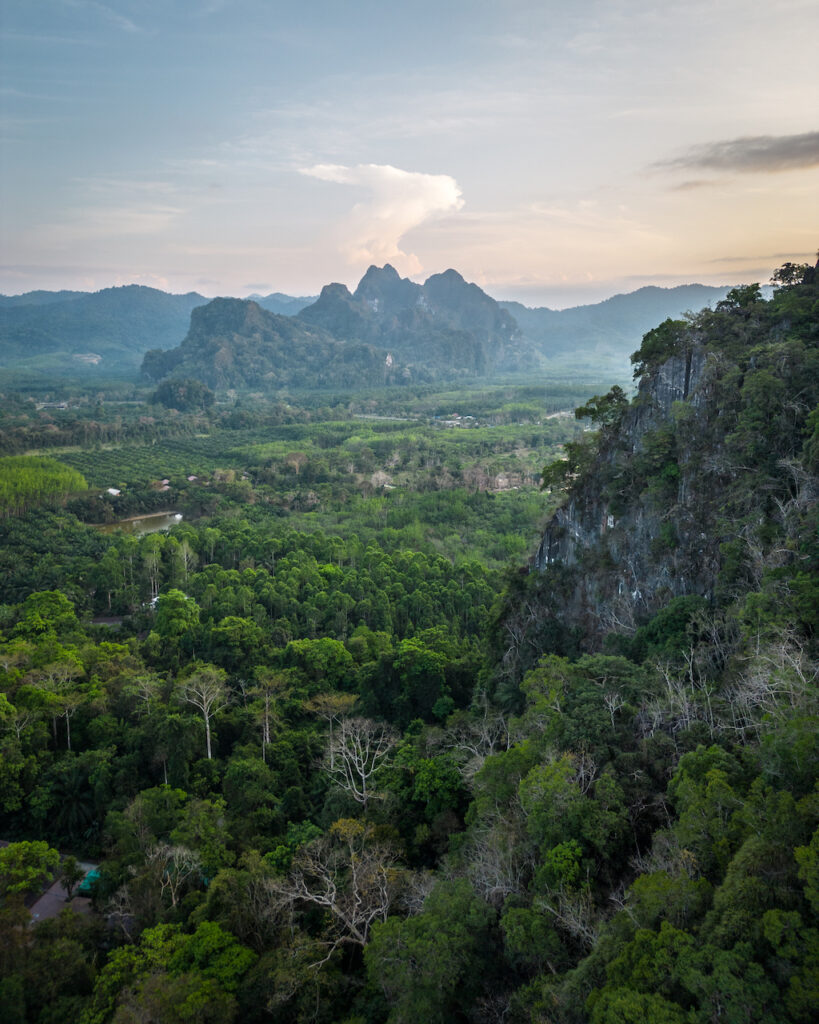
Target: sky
553,153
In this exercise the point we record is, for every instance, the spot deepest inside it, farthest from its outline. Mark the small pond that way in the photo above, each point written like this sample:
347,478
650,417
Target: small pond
150,522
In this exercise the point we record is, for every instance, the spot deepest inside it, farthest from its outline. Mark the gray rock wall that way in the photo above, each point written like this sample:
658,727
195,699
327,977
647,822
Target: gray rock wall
627,569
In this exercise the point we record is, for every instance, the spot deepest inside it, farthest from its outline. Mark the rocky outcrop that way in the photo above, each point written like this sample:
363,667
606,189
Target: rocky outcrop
639,537
234,343
444,324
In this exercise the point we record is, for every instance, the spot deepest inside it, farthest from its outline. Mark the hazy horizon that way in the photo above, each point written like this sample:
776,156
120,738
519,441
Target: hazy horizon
583,299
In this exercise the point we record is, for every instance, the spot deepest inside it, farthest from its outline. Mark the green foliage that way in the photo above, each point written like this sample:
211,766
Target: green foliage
178,977
176,614
791,274
184,395
605,410
427,966
28,480
629,835
670,633
297,835
704,791
578,458
742,298
46,614
25,867
660,344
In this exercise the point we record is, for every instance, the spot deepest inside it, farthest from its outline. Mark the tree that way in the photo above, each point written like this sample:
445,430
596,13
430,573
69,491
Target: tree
172,977
356,753
110,574
71,874
271,686
604,410
742,298
176,613
25,867
206,690
349,873
429,967
47,613
185,395
242,900
332,707
579,458
790,274
236,643
58,690
203,829
324,661
172,866
152,560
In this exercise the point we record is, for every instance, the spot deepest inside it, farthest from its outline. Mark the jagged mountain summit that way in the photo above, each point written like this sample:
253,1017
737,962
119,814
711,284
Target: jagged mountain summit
390,330
446,323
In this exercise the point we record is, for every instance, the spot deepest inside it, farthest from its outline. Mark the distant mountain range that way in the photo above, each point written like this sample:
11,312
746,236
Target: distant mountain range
388,328
615,325
284,305
110,329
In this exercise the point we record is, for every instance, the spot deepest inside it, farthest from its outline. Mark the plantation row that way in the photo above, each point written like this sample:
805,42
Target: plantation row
370,447
32,480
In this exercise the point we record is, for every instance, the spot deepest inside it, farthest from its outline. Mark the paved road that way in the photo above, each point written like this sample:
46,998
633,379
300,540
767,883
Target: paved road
55,898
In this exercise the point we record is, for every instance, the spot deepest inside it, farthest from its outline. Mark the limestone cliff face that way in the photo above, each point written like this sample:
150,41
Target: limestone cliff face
446,323
637,544
705,485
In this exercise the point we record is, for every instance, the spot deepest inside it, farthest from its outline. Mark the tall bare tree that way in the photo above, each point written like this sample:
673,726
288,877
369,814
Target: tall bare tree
207,691
347,873
359,749
332,707
270,686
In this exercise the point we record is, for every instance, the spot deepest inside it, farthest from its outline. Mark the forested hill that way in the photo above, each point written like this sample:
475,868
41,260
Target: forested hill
117,325
662,655
389,331
234,343
613,326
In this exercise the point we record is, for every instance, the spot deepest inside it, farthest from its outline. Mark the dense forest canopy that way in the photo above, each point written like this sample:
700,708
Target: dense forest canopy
27,480
343,753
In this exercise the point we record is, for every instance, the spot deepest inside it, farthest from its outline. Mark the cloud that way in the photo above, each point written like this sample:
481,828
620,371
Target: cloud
398,202
766,154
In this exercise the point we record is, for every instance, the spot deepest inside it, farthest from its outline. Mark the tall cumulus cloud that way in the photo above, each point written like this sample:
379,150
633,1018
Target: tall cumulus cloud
398,201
